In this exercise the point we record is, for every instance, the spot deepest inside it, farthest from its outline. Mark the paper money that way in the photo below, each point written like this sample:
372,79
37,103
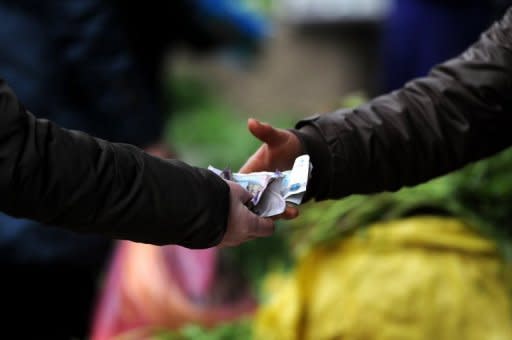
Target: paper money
272,191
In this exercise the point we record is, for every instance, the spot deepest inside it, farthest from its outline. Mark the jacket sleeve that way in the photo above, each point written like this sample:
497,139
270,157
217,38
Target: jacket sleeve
461,112
67,178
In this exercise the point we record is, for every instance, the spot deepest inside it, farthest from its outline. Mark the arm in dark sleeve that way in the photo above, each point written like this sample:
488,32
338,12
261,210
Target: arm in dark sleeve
70,179
461,112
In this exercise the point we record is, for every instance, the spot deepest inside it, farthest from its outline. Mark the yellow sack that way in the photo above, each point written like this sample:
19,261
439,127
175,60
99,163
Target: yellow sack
420,278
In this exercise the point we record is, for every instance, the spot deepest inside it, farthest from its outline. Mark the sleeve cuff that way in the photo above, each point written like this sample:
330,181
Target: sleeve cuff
218,201
315,145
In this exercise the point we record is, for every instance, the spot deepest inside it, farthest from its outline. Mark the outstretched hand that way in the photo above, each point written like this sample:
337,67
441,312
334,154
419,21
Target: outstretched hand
279,151
243,225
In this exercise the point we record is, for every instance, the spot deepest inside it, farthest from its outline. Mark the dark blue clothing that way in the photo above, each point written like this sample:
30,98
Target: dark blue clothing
94,65
91,65
69,61
421,33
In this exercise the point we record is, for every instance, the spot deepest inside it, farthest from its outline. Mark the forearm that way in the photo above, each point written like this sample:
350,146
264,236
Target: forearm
460,113
70,179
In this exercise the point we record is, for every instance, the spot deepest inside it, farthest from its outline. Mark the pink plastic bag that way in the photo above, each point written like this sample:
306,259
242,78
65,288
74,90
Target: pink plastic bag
151,287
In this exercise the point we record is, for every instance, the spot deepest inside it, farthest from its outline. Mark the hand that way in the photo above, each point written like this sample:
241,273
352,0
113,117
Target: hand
279,151
243,225
160,150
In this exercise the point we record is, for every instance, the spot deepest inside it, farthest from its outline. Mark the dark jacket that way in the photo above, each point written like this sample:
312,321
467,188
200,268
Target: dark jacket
461,112
96,66
67,178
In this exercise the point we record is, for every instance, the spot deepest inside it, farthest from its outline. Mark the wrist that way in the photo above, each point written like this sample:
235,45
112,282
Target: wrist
313,144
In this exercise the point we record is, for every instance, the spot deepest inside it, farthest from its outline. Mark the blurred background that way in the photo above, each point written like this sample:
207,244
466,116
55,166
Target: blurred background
180,79
311,55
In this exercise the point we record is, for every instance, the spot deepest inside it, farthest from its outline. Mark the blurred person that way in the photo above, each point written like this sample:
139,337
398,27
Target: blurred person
94,66
459,113
418,34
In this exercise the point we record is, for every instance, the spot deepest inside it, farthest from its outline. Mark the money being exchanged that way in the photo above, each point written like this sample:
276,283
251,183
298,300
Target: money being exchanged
272,191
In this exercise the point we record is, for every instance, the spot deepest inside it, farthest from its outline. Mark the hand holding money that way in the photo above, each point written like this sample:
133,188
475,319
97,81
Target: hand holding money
243,225
279,150
272,192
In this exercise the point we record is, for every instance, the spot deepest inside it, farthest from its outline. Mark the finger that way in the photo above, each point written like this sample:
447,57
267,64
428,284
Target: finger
245,196
290,213
260,227
236,243
253,163
242,194
266,133
228,244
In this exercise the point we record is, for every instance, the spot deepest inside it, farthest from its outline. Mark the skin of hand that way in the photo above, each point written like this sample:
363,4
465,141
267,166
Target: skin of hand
243,225
279,150
160,149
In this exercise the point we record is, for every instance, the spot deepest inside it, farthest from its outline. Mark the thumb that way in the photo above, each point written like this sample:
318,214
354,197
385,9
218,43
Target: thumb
260,226
266,133
290,213
240,193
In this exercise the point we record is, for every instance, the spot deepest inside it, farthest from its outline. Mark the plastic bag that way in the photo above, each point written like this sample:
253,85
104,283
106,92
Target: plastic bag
149,288
418,278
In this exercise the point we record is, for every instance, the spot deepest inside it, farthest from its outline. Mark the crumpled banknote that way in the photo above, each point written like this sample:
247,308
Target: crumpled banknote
272,191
